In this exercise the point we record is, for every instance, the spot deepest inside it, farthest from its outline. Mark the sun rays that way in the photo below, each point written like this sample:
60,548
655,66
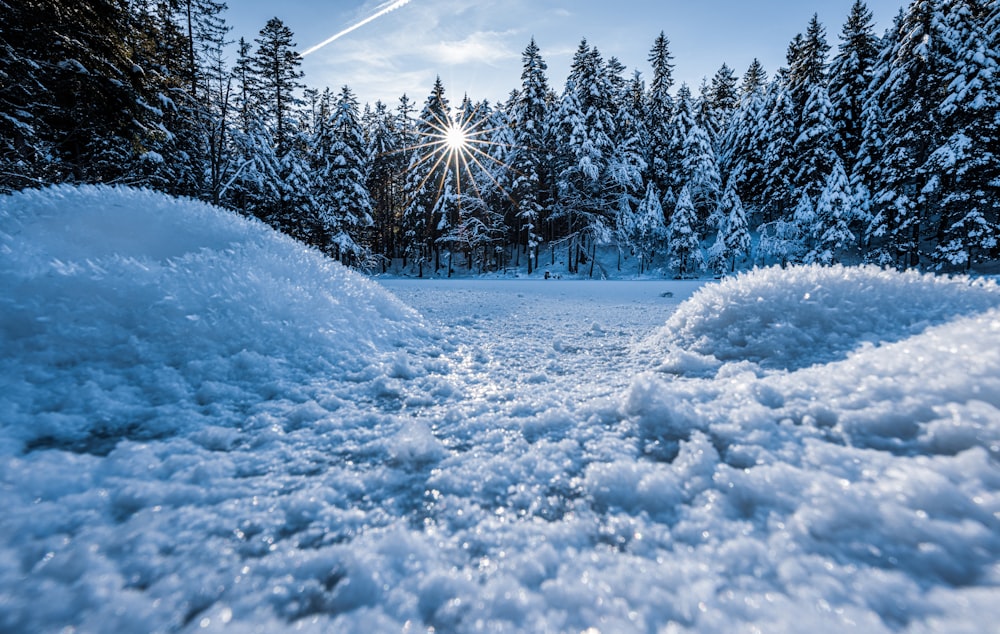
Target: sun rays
454,138
459,147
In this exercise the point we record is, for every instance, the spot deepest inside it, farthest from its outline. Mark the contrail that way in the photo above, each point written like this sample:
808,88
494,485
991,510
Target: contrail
378,14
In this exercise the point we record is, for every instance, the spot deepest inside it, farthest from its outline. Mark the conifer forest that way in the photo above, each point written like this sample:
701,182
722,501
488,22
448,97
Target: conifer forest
864,147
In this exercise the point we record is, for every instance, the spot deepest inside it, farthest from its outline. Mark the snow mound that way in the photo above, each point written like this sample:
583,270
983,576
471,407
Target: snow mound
127,313
784,319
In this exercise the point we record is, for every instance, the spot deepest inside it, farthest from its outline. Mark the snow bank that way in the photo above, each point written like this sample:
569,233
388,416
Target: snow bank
792,318
129,313
205,427
865,486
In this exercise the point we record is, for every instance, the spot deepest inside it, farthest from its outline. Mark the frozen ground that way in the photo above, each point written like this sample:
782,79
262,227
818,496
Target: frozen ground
206,427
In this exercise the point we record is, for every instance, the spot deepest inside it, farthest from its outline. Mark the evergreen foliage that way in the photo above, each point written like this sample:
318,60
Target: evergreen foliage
885,153
733,239
850,75
683,240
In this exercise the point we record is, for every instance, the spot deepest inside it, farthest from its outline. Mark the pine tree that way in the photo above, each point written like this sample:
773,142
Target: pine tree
781,241
754,80
681,122
211,85
907,87
644,229
743,146
733,240
683,241
298,211
804,219
344,205
486,210
385,161
776,197
243,189
586,128
659,112
700,172
187,55
807,62
966,164
476,195
275,101
833,216
812,150
723,97
850,76
705,114
723,93
627,163
527,160
737,235
276,68
426,179
25,93
446,213
85,104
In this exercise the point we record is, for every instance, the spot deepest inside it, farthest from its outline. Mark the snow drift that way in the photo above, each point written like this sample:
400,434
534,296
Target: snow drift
205,427
128,313
796,317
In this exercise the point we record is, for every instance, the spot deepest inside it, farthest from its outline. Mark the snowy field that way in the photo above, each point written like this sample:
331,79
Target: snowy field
206,427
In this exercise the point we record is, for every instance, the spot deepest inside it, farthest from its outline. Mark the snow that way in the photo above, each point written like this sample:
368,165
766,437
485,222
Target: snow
207,427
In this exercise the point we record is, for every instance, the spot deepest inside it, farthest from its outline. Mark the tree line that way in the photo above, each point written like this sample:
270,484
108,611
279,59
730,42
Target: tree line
880,149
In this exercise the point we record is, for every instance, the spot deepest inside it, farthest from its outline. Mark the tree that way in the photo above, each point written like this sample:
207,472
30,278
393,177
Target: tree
645,229
586,128
527,158
681,122
276,69
683,241
776,198
627,164
850,76
273,101
700,172
426,177
80,98
212,90
780,241
722,97
743,146
25,95
833,215
385,159
659,112
733,240
812,150
754,80
907,86
705,114
965,166
244,189
807,62
344,206
804,218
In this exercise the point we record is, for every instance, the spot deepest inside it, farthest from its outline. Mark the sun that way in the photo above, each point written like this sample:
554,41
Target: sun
456,150
456,138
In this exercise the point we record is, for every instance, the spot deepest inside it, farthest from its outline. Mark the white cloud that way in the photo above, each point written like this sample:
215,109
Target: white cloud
483,47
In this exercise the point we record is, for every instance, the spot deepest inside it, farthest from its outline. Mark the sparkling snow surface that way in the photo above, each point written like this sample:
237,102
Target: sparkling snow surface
206,427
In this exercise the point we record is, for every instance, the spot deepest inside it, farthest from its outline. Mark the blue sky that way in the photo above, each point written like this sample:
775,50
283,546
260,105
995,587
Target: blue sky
475,45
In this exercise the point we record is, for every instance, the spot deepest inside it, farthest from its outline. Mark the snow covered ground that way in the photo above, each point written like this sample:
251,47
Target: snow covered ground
206,427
